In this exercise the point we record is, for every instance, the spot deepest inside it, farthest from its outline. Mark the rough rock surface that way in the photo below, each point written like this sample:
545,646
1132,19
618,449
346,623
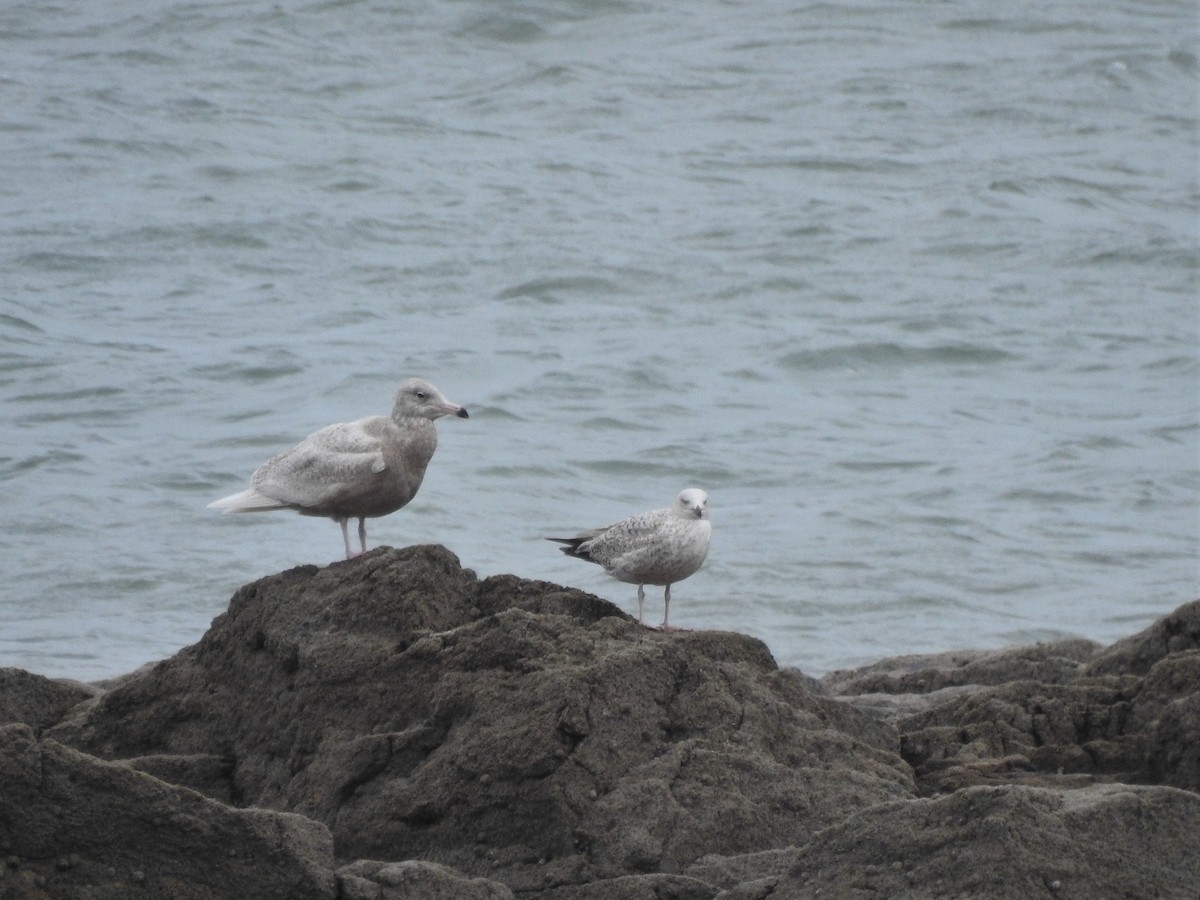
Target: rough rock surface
1055,714
37,701
413,879
1008,842
519,731
74,826
392,727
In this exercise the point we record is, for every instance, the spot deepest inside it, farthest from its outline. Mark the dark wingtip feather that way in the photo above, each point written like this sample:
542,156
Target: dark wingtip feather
572,547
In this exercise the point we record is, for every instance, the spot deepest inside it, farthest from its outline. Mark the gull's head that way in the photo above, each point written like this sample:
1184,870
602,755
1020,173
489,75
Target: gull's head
692,503
418,399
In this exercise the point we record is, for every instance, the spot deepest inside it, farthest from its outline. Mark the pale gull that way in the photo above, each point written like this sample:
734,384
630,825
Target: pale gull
659,547
360,470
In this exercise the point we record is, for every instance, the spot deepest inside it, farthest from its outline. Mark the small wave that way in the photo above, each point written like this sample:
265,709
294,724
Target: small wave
548,290
504,28
53,261
143,56
221,172
1093,558
1019,25
1175,434
969,249
7,321
890,355
882,465
494,412
248,374
638,467
611,423
518,472
133,147
231,235
65,396
1172,364
938,521
12,466
745,374
352,186
1046,498
835,165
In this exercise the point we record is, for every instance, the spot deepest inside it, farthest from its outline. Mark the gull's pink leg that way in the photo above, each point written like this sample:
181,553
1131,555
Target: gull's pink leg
667,611
641,604
346,538
362,534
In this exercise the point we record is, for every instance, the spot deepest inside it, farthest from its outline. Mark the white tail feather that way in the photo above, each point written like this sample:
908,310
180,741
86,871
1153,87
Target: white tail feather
247,501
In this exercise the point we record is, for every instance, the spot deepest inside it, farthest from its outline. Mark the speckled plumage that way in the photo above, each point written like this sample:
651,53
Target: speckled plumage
659,547
363,469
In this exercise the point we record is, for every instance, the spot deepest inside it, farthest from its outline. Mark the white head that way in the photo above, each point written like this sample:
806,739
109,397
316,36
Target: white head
692,503
418,399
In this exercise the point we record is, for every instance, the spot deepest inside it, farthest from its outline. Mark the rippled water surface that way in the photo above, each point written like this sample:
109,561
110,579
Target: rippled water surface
909,288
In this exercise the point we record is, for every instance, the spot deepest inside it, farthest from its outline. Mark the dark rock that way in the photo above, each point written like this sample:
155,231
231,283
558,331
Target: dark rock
414,880
1165,719
38,701
728,872
514,730
1056,663
72,827
432,734
1024,732
634,887
1008,842
1137,655
207,774
1055,714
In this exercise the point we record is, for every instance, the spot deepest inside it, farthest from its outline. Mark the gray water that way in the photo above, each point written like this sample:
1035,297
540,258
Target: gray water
910,288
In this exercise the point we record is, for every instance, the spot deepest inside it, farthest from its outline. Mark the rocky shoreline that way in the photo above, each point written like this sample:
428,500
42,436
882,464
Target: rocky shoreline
394,727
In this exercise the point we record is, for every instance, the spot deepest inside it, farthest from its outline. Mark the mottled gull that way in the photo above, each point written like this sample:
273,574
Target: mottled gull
659,547
360,470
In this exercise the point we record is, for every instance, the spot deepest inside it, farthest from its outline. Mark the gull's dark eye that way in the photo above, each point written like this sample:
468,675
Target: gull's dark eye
421,395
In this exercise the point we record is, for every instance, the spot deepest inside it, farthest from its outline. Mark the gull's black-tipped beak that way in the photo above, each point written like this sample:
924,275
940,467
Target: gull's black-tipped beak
462,413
